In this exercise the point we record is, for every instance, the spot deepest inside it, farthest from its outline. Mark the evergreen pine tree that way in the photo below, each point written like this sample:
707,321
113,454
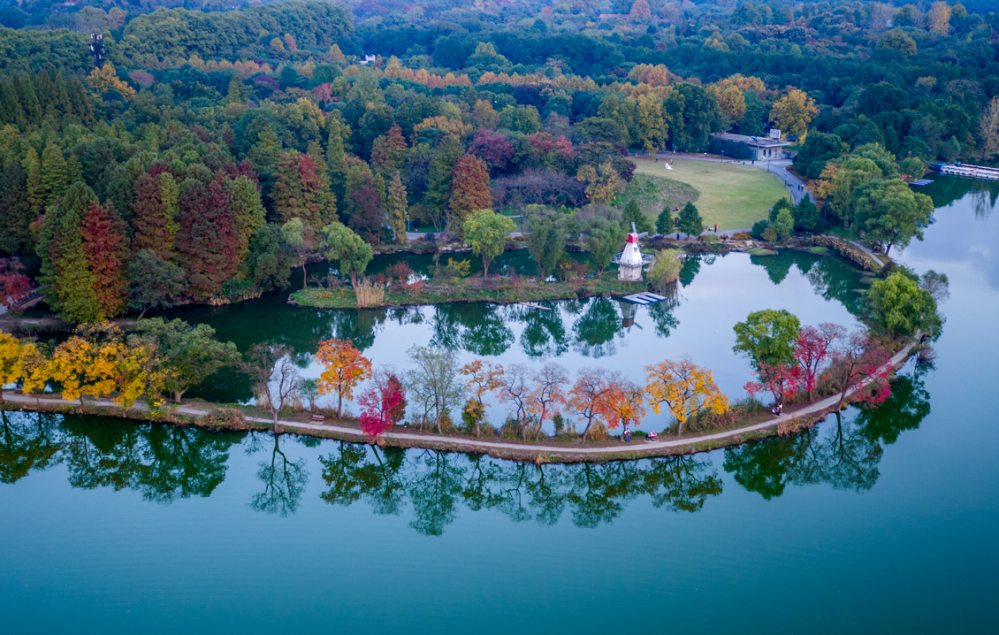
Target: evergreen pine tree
266,153
149,218
243,201
287,194
664,222
633,214
15,211
29,100
439,183
691,222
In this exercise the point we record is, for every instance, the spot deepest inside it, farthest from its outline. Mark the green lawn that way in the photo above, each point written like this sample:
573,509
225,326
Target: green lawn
731,194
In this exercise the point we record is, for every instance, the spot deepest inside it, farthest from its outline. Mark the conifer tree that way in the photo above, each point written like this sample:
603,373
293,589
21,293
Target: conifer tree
395,208
691,222
439,183
287,194
633,214
36,189
28,99
55,179
15,212
207,240
105,246
469,188
388,150
243,201
149,220
336,154
266,153
66,279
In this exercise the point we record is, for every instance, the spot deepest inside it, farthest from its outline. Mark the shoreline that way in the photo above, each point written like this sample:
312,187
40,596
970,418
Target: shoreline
572,452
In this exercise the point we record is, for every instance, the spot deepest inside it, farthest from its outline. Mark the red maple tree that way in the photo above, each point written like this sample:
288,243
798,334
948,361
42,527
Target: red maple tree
102,231
862,364
781,381
383,404
813,350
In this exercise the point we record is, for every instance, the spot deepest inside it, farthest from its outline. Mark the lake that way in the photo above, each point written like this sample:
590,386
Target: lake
881,521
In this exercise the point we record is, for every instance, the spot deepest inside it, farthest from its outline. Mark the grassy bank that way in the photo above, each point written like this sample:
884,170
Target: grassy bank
476,289
731,194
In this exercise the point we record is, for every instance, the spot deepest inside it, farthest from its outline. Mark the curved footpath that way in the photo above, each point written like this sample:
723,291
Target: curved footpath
522,450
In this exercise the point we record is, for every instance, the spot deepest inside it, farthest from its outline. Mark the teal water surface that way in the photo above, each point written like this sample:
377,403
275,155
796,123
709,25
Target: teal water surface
883,521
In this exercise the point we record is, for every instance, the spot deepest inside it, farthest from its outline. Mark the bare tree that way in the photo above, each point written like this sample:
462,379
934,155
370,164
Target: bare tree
515,389
434,382
548,393
275,375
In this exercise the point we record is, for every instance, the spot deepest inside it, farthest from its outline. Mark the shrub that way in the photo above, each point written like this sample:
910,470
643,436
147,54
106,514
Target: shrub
666,269
709,238
741,236
759,227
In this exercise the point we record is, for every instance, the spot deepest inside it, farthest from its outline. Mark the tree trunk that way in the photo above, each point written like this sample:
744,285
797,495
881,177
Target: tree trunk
277,428
144,309
305,280
485,268
177,394
586,430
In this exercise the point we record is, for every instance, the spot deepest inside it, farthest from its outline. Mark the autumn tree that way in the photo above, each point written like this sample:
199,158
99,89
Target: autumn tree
208,242
106,249
482,377
344,367
14,286
813,350
861,365
105,78
388,150
363,203
590,396
547,394
782,381
10,361
486,232
154,214
988,127
625,405
469,188
793,112
603,182
685,388
383,404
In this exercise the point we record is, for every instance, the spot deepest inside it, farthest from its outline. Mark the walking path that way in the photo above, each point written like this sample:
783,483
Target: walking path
479,444
868,252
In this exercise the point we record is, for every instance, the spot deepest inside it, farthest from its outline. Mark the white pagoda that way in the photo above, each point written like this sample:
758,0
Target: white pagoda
631,260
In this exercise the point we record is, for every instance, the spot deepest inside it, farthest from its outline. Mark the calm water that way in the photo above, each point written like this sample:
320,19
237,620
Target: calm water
882,522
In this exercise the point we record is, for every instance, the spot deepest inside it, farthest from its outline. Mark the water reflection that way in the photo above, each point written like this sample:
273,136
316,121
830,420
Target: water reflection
844,452
27,442
433,486
283,480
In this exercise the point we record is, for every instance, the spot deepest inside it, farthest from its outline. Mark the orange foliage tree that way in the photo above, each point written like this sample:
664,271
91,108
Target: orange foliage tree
482,377
344,367
592,396
547,393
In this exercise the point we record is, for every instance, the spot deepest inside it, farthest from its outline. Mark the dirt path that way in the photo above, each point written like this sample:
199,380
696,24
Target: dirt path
868,252
479,444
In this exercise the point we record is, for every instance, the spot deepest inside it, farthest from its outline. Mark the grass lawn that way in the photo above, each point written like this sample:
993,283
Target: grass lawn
731,194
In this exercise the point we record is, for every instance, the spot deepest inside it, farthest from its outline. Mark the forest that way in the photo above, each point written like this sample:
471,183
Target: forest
199,154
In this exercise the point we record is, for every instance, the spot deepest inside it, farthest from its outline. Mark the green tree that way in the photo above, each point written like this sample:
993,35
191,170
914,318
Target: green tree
891,213
633,214
691,222
486,232
269,260
767,337
395,208
784,224
603,239
191,354
900,308
439,183
545,235
152,282
55,177
343,246
302,240
664,222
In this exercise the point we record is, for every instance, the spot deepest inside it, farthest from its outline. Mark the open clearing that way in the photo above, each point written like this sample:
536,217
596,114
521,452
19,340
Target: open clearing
731,194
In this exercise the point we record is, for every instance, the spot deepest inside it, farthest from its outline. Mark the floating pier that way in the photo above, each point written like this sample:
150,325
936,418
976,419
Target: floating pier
972,171
644,298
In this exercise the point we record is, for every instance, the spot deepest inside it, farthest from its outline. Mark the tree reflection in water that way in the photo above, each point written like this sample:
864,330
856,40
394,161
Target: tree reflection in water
845,456
433,485
284,480
596,328
27,442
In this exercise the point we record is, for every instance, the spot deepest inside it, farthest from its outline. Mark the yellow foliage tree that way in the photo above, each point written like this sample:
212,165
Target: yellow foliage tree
10,361
446,125
482,377
732,103
651,74
69,366
139,372
105,78
344,367
939,18
685,388
603,182
793,113
35,370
